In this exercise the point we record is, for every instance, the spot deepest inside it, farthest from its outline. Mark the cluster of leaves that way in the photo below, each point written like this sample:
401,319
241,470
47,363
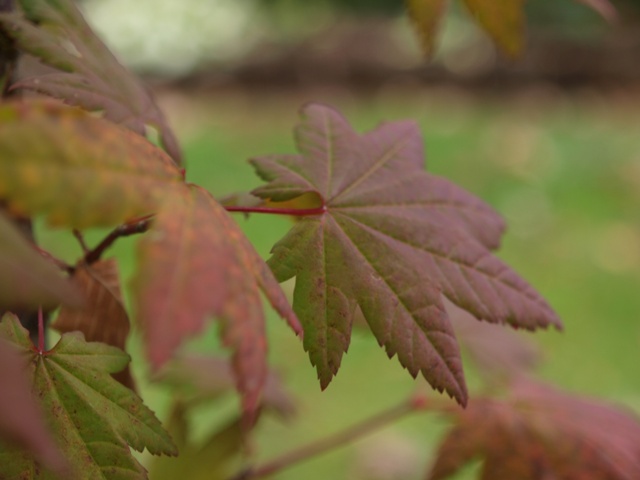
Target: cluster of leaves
503,21
378,237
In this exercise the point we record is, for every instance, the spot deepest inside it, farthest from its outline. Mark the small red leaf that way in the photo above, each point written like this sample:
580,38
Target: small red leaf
195,263
104,318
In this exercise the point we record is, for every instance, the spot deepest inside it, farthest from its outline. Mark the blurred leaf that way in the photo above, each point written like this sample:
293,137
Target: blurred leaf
104,318
90,77
196,263
27,279
503,20
538,432
95,418
21,420
210,461
80,170
198,378
603,7
426,16
392,240
499,353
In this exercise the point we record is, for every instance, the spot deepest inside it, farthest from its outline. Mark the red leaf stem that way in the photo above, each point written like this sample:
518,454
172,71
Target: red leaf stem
296,212
40,331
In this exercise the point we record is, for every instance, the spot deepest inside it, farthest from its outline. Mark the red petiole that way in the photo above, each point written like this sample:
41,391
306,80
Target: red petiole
296,212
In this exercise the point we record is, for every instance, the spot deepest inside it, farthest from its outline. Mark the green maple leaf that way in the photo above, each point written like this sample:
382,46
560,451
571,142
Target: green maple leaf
391,241
95,419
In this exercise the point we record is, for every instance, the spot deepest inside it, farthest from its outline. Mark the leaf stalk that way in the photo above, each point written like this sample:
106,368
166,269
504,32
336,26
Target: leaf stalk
349,435
296,212
139,225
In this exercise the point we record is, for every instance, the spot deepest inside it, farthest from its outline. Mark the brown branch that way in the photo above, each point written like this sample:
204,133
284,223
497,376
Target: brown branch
337,440
139,225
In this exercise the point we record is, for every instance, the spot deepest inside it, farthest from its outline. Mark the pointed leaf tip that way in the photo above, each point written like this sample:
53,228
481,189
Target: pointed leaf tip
393,240
426,16
503,20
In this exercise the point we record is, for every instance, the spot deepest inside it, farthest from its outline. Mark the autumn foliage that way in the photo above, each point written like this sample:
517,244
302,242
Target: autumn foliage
378,242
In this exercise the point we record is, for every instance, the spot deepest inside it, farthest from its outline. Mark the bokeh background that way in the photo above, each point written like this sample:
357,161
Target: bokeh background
551,140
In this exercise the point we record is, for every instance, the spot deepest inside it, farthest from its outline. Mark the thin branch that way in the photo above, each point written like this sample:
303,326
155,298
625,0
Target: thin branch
78,234
61,264
296,212
139,225
349,435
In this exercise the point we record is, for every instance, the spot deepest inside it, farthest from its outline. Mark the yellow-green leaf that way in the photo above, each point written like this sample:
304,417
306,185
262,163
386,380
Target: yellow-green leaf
503,20
426,16
78,170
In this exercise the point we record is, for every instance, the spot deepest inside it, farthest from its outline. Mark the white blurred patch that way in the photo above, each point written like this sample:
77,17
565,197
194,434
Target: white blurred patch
170,37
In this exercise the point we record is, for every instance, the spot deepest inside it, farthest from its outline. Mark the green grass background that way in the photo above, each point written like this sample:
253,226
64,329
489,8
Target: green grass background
563,170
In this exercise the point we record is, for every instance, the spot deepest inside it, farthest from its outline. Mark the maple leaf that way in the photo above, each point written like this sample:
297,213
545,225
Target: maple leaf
391,241
21,420
502,20
196,263
103,318
539,432
79,170
27,279
88,76
95,418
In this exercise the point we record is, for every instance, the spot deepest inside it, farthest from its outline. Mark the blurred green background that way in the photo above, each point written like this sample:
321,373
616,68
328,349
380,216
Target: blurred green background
563,167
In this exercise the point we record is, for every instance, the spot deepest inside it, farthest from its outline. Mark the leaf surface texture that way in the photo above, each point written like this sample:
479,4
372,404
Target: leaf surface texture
393,239
96,420
79,170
